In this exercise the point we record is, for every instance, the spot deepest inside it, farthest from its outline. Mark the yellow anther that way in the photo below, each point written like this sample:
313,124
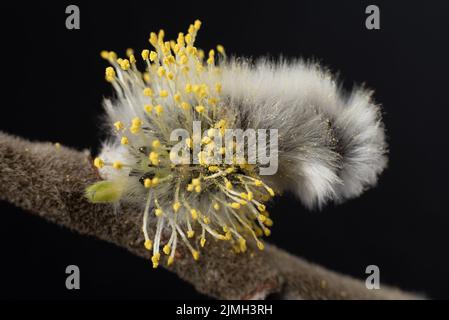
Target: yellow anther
210,60
228,235
183,59
147,183
104,54
156,143
267,232
153,56
216,206
195,254
220,124
261,207
180,39
153,39
161,71
155,181
228,185
235,205
188,88
167,46
194,214
163,93
211,53
153,156
196,181
117,165
118,125
242,202
200,109
268,222
258,183
191,50
261,217
260,245
148,244
250,196
99,163
190,234
145,54
213,168
202,242
129,52
112,56
270,191
177,97
170,260
155,161
198,189
244,195
191,29
124,64
148,92
206,140
166,249
188,38
155,259
242,244
146,77
197,25
110,72
136,122
176,206
158,212
201,54
132,59
134,129
159,109
220,49
212,101
124,140
148,108
218,87
170,75
222,150
185,106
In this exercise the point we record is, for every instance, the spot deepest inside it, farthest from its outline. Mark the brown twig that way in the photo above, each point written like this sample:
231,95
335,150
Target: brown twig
50,181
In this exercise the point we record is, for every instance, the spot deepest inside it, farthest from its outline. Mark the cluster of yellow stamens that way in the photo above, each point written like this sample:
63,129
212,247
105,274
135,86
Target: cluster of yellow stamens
181,85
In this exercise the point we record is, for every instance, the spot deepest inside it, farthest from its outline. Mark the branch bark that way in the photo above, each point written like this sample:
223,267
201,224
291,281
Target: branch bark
49,181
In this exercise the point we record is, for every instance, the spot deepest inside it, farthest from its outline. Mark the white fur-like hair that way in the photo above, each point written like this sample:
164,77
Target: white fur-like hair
331,143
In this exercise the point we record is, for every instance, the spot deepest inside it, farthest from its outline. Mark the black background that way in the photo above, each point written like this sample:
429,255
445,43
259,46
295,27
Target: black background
53,84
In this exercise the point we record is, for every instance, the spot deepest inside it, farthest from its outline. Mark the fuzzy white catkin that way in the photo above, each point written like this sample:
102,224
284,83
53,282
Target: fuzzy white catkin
331,143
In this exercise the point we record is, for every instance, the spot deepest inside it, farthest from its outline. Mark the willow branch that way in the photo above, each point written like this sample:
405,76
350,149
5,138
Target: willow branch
49,181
